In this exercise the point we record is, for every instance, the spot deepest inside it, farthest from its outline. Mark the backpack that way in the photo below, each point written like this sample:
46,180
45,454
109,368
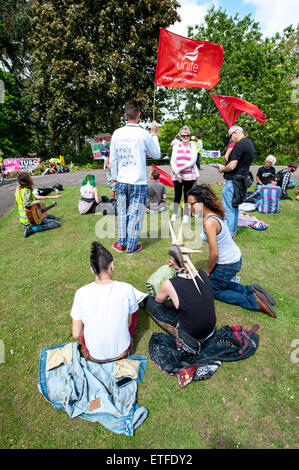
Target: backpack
280,174
57,186
44,191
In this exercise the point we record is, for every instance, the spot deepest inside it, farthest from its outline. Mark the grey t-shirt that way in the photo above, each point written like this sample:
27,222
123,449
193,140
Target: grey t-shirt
155,191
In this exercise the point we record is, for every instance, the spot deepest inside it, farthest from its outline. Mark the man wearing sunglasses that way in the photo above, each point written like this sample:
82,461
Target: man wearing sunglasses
236,174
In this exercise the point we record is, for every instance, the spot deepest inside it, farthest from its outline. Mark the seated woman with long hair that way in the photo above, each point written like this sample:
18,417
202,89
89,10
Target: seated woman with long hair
26,199
225,258
89,196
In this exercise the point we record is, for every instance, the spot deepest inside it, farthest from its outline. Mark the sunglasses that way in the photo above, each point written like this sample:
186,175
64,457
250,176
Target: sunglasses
185,135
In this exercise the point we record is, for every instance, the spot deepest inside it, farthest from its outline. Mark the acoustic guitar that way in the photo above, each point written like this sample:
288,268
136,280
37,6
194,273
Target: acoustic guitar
38,212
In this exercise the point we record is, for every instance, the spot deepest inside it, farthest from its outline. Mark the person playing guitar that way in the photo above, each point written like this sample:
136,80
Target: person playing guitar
32,213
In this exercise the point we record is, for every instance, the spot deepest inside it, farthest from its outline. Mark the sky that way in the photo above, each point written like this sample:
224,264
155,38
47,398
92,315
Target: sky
272,15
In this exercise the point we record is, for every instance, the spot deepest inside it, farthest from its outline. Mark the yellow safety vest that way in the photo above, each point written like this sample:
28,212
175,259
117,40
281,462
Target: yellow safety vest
19,195
198,144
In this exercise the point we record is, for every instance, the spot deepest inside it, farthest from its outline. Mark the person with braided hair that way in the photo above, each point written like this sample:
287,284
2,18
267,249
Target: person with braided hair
225,259
191,313
105,312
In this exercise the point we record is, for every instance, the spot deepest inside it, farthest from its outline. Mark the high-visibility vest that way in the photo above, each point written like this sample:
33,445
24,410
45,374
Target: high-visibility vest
19,195
198,144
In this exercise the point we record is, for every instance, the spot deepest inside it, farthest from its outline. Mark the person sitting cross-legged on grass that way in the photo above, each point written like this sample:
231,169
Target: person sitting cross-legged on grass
104,312
89,196
265,171
156,194
284,177
225,258
25,199
192,312
267,197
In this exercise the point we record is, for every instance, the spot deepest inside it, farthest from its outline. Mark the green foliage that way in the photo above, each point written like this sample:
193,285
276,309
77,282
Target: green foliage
88,58
15,131
40,169
254,69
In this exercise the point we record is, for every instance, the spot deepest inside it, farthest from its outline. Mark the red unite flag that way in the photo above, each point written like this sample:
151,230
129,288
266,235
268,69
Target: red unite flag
164,177
186,63
230,107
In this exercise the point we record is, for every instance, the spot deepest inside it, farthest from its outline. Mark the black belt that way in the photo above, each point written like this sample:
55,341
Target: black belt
86,199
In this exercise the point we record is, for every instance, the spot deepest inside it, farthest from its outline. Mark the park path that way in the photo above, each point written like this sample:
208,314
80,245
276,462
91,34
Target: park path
208,175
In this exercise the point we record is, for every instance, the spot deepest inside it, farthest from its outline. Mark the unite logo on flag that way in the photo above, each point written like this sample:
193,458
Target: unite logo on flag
184,62
187,61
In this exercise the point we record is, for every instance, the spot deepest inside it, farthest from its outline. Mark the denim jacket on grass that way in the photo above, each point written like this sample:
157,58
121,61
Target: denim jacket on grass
88,390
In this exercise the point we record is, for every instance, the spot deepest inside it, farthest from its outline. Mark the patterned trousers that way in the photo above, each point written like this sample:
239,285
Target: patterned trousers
131,201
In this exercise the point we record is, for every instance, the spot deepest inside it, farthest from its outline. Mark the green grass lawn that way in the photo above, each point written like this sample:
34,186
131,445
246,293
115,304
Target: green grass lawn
246,404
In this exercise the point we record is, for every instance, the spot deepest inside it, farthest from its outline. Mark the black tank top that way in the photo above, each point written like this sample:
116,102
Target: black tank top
196,313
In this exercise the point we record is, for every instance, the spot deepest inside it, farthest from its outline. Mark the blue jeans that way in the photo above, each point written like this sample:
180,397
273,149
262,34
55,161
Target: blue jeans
76,386
232,292
232,213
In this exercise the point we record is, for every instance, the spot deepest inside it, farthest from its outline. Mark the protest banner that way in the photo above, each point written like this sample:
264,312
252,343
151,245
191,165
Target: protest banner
211,153
96,144
20,164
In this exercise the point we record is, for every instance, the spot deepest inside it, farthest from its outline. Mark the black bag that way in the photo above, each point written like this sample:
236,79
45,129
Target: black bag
44,191
249,180
57,186
280,175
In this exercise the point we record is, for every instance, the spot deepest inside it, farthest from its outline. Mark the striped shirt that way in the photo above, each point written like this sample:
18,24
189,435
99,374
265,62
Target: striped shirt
269,203
182,157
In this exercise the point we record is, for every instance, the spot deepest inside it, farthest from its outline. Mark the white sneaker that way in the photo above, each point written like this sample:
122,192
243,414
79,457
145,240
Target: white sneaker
173,218
185,219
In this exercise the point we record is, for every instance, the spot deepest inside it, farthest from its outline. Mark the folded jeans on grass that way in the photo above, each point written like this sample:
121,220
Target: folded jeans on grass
88,390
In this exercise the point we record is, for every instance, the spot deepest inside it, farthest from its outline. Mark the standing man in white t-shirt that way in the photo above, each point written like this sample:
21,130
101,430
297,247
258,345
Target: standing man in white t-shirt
128,150
105,312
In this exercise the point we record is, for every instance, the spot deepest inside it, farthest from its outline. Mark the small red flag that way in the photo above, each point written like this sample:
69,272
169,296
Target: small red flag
185,63
230,107
164,177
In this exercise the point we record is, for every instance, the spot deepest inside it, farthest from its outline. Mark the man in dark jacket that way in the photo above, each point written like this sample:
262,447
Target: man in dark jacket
236,174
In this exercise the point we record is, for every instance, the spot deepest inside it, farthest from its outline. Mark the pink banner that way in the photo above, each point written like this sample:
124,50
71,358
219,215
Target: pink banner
20,164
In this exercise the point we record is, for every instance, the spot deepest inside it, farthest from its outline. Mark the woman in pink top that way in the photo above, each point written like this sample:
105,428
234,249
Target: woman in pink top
184,171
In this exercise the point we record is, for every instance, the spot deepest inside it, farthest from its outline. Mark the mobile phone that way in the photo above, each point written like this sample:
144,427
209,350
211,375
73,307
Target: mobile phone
123,381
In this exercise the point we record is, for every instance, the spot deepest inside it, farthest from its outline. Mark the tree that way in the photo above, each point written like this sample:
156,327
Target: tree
15,123
254,69
14,31
90,56
15,129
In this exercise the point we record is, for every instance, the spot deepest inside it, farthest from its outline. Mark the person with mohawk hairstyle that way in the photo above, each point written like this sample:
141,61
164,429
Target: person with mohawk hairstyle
192,317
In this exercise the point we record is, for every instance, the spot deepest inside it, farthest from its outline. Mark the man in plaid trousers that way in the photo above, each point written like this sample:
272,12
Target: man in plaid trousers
129,147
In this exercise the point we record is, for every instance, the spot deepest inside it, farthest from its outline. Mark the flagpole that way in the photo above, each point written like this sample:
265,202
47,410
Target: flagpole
154,105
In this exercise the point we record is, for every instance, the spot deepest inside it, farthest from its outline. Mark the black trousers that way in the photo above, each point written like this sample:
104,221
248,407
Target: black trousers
178,191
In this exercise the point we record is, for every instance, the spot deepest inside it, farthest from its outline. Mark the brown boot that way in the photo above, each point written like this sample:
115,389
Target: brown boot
263,305
265,293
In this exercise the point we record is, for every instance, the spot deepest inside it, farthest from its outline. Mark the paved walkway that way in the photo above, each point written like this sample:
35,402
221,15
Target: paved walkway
208,175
